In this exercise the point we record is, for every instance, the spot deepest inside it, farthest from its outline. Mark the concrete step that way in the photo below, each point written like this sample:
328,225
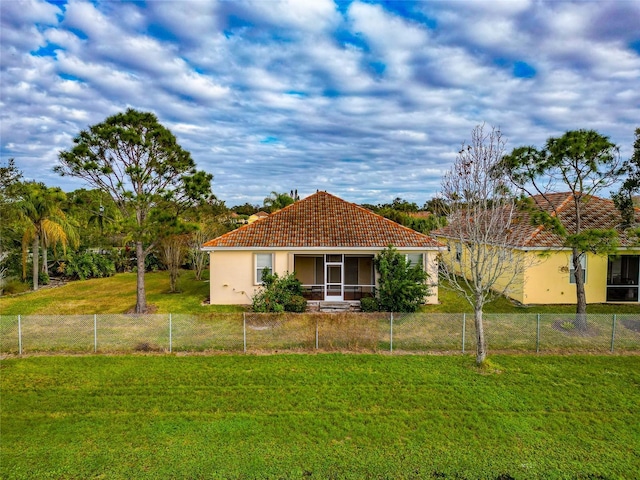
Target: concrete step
348,306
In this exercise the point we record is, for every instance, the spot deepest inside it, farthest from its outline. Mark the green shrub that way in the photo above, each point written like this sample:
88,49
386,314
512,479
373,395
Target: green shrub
402,287
43,278
279,294
87,265
153,263
369,304
14,286
297,304
124,259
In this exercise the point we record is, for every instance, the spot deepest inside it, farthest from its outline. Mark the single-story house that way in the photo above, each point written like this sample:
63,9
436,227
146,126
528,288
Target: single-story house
548,274
328,242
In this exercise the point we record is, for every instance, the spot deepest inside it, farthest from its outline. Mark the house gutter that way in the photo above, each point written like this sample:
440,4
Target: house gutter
324,249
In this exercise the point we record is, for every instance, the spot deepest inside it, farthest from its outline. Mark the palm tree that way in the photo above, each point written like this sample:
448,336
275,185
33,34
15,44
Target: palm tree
275,201
44,223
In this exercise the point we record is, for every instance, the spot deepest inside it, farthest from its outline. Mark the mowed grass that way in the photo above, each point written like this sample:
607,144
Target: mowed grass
320,416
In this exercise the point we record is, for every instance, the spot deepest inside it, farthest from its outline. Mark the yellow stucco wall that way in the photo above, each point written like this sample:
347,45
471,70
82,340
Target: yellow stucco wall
512,280
547,282
232,273
546,276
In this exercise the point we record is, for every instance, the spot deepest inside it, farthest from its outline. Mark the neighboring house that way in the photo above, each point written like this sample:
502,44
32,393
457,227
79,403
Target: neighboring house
548,276
329,243
257,216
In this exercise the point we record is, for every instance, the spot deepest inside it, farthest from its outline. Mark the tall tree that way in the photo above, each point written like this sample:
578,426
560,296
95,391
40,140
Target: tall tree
10,185
623,198
584,162
481,263
45,224
140,164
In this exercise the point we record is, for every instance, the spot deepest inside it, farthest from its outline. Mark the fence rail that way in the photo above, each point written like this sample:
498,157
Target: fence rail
371,332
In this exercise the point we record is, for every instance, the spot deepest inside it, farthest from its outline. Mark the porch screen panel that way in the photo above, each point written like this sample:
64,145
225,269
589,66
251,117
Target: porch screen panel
319,271
351,271
623,278
305,270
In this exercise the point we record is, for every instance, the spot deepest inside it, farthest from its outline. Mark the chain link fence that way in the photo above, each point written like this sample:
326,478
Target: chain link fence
353,332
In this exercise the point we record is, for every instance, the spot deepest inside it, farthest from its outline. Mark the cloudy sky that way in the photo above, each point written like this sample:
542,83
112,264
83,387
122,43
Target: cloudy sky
367,100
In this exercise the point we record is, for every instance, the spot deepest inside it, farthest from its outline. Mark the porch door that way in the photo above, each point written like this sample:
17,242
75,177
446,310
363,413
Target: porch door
334,275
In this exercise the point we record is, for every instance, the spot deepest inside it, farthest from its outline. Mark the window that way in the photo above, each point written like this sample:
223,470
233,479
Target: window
415,259
572,271
458,252
263,260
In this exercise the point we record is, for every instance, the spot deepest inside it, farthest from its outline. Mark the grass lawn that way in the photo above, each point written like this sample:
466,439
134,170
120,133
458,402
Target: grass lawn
117,294
320,416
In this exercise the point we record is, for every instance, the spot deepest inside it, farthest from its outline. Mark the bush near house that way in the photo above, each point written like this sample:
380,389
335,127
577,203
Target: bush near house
402,286
279,294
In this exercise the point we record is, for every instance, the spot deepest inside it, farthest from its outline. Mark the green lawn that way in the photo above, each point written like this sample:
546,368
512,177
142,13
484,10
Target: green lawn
115,294
118,295
320,416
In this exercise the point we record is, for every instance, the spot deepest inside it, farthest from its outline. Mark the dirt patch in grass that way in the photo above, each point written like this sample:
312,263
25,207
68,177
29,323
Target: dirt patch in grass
569,328
150,309
633,325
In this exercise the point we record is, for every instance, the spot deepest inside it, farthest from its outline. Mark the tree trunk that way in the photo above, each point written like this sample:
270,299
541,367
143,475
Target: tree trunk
581,296
481,346
45,259
173,279
36,256
141,296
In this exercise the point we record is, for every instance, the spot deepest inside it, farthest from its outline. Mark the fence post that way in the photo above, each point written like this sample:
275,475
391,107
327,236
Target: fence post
391,333
95,333
244,332
538,334
19,335
613,332
170,335
464,329
317,332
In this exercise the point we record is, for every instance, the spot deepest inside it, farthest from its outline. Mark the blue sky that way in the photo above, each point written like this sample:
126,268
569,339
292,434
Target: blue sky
367,100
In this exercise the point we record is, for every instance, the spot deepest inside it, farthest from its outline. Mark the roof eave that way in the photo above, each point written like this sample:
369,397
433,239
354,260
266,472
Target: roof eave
333,249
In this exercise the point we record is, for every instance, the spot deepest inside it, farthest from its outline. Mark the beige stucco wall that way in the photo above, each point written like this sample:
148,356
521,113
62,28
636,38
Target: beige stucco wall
232,275
232,272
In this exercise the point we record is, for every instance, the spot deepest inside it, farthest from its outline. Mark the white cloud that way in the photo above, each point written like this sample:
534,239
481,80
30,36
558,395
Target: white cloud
280,95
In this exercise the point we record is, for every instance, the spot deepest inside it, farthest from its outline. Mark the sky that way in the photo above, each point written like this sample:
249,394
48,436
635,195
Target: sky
367,100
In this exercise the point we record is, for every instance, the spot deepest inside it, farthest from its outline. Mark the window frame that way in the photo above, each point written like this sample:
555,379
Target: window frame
572,272
421,262
257,277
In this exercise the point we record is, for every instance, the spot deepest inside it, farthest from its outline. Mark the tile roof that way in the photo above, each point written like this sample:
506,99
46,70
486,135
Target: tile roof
323,220
597,213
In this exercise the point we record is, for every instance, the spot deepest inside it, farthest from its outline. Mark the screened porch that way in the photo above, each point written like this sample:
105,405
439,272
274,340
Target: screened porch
335,277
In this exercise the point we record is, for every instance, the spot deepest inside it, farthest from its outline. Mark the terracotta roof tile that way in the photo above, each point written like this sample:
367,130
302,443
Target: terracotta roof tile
323,220
597,213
